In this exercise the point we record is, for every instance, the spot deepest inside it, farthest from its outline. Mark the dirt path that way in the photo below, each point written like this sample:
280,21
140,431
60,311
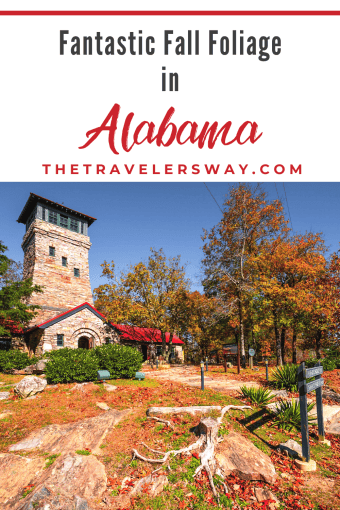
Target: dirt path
189,376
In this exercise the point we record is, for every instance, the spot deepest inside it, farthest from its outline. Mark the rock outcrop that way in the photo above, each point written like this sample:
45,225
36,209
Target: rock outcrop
236,454
29,386
88,433
73,481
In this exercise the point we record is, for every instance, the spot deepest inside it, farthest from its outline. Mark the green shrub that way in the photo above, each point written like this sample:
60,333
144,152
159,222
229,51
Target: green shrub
259,396
120,360
288,416
80,365
328,363
16,360
285,377
310,362
68,365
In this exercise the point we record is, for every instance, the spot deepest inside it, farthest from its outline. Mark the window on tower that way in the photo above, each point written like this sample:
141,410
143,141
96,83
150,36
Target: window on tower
73,225
64,261
52,251
63,221
76,272
53,217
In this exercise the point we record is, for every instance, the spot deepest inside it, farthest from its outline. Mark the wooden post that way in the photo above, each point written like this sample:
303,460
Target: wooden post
206,363
267,378
225,362
304,414
319,408
238,359
202,375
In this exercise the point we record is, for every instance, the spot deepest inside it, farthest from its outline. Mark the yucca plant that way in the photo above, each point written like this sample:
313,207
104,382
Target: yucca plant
259,396
285,377
288,415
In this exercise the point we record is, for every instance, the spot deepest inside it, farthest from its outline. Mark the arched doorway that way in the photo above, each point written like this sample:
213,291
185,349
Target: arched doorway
83,343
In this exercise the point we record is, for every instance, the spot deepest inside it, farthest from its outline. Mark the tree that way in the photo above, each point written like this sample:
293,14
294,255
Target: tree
322,317
150,295
287,273
231,248
14,292
204,325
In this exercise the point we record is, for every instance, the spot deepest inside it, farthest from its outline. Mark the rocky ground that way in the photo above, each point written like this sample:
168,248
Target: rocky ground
71,447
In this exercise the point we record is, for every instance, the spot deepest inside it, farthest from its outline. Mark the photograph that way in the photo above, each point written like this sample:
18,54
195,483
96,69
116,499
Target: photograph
194,297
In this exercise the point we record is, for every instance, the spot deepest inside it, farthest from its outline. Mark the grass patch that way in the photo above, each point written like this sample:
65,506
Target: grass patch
51,459
83,452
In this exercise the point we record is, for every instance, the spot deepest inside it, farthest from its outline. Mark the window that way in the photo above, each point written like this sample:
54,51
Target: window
158,350
74,225
60,340
63,221
53,217
64,261
76,272
43,214
30,219
52,251
82,227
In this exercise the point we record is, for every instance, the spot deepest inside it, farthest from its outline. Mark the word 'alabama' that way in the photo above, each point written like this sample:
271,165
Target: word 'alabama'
168,133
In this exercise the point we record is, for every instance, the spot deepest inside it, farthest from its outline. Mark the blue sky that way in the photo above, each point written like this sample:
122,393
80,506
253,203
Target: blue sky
132,217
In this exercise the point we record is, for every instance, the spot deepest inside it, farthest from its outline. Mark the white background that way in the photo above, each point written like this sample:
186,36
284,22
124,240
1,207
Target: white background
48,101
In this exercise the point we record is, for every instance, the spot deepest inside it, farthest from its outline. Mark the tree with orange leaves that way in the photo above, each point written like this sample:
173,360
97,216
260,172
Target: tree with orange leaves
231,247
290,272
151,294
206,327
322,318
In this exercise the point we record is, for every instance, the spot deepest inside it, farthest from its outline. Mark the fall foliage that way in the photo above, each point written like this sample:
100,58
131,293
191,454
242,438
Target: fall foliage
150,294
265,286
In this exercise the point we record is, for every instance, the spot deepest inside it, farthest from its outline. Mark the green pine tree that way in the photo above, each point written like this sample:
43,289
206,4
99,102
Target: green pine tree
14,311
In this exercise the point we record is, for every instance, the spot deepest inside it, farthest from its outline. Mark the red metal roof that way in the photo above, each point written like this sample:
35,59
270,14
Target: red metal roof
144,334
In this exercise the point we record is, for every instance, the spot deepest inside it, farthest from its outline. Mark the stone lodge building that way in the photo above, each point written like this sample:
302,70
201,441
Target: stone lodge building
56,246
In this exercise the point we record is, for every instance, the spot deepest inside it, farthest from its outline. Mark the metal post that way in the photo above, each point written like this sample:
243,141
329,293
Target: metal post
319,408
202,375
206,363
303,411
267,378
251,362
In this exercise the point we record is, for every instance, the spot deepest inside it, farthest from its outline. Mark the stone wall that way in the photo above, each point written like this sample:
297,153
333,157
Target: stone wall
83,324
62,290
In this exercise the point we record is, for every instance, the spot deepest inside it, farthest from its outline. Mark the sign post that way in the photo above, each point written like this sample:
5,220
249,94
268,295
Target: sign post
251,356
304,389
202,375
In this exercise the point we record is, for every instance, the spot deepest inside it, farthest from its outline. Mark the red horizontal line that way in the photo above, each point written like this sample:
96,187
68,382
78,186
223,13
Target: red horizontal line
169,13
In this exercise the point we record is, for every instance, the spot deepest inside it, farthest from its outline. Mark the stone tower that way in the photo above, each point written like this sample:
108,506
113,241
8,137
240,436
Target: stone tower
56,247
